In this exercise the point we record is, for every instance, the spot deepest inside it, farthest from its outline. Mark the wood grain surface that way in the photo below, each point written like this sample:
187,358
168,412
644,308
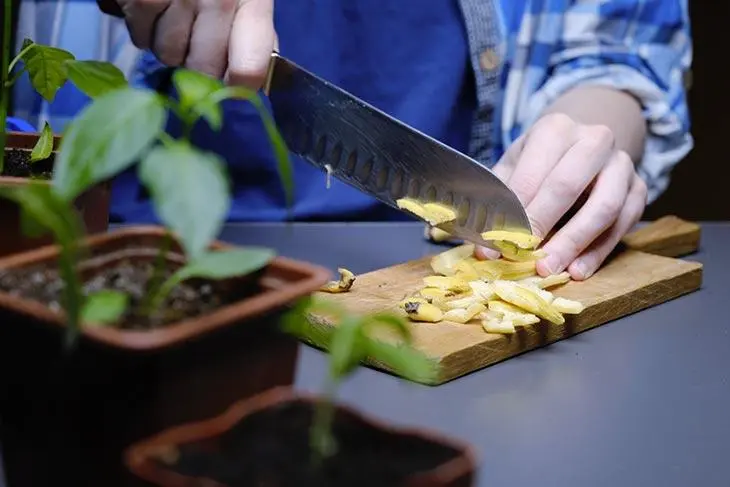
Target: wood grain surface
630,281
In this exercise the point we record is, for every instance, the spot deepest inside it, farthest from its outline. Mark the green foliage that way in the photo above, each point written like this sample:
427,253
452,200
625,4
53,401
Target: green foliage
107,137
350,343
46,67
45,209
44,146
104,307
218,264
190,192
195,91
95,78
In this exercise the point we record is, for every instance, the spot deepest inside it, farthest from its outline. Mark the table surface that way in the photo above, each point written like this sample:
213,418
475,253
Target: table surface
641,401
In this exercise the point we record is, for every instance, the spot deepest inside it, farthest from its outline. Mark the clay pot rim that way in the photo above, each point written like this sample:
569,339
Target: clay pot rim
137,455
312,278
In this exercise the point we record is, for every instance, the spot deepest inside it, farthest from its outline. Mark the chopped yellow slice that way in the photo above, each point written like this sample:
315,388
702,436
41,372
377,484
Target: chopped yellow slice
423,312
496,325
521,240
466,271
445,263
528,300
412,299
435,234
568,306
512,252
509,311
434,213
547,282
346,281
503,269
464,315
483,289
452,284
464,302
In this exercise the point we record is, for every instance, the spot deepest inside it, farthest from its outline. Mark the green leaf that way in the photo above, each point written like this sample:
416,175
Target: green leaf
95,78
347,347
109,136
44,146
41,204
281,152
104,307
30,226
194,89
190,193
404,361
46,68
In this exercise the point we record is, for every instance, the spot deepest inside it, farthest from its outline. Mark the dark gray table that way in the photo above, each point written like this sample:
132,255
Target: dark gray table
642,401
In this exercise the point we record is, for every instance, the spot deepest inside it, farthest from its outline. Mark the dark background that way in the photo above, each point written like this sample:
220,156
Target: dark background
702,177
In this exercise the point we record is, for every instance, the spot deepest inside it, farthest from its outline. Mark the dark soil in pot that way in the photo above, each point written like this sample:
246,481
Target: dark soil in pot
19,165
189,299
271,447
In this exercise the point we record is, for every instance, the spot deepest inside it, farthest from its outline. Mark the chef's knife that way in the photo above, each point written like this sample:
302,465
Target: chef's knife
383,157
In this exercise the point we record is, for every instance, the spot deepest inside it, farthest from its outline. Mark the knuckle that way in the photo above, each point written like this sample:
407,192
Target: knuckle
641,189
608,210
565,188
558,123
598,135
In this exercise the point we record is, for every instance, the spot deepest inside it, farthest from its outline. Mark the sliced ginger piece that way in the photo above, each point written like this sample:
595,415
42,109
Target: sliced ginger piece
464,315
427,312
504,269
568,306
519,239
523,297
444,264
452,284
519,317
493,322
346,281
463,302
434,213
466,271
549,281
512,252
435,234
483,289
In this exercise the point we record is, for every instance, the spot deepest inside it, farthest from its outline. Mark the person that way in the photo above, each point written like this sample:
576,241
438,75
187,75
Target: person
580,107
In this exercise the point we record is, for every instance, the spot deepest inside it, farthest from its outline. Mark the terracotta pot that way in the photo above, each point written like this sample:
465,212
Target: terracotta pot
69,415
93,204
203,453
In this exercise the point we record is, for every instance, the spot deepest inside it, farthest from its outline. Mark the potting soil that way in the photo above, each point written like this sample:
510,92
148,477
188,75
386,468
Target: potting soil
271,448
18,164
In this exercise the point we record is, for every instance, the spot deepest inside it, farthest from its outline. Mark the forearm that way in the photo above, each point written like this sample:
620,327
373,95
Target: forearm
619,111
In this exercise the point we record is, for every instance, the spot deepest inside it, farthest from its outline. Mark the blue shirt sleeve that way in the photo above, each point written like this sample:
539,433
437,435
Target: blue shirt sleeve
639,46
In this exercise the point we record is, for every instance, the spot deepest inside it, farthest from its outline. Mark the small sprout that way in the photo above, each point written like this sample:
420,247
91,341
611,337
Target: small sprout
423,312
346,281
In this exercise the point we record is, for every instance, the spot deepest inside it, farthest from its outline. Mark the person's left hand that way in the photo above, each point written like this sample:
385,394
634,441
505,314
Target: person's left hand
560,165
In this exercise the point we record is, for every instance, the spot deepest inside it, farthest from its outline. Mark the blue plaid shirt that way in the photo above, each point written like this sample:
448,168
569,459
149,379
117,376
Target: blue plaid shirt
525,54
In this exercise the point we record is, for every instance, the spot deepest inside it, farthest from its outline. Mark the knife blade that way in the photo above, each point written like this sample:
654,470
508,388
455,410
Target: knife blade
385,158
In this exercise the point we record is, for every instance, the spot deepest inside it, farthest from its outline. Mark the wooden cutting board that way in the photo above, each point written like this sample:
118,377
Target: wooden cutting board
642,273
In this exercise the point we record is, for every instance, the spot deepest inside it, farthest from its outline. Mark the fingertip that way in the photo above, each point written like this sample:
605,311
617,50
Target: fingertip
485,253
579,270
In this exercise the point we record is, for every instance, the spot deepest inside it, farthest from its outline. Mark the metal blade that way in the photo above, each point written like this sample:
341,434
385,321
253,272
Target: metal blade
383,157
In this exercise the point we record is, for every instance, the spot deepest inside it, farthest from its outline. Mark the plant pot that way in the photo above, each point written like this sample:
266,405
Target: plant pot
69,414
93,205
268,435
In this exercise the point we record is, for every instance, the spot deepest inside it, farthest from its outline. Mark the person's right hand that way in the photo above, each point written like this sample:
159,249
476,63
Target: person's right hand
229,39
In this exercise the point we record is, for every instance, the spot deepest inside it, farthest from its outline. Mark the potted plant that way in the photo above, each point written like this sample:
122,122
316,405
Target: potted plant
286,439
27,156
109,338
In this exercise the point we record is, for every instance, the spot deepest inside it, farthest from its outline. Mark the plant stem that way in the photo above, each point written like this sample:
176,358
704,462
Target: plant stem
151,301
71,291
5,94
321,440
17,58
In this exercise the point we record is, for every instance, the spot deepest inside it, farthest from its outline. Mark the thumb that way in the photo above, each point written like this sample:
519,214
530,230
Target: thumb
252,41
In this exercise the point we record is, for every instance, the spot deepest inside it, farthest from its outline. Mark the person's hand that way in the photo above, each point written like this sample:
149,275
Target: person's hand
230,39
559,166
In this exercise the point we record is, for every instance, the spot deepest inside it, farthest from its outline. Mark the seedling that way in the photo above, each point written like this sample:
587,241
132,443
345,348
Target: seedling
49,68
189,188
349,344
